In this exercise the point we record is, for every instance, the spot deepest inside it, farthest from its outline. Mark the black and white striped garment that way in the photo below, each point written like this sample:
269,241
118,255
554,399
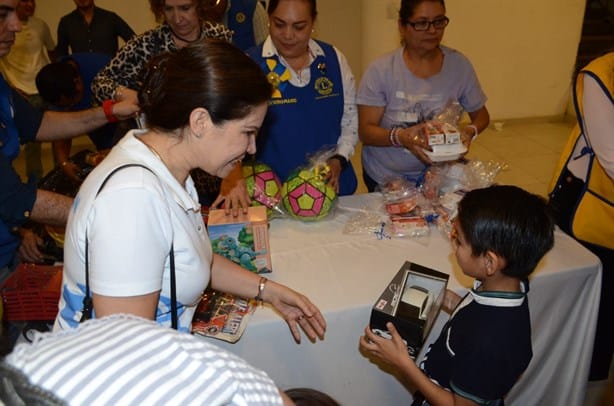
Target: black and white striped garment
125,360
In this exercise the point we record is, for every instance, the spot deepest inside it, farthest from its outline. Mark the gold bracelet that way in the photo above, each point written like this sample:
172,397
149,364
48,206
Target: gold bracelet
261,286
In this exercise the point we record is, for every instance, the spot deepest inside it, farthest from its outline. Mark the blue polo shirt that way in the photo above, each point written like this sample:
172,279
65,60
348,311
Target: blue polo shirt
19,123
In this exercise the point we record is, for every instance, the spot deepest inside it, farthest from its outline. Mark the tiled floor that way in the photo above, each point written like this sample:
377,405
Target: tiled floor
529,148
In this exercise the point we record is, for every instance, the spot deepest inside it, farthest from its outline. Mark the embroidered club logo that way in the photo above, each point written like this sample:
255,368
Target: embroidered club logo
324,86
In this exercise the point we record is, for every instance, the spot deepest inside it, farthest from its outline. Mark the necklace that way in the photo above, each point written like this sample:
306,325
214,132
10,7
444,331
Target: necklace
187,41
153,151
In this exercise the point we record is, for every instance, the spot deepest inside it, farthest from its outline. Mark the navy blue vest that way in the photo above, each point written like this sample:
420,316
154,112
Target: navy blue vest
240,20
302,121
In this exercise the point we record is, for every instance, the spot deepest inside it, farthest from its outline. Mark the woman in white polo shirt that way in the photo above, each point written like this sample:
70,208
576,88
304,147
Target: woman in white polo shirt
128,228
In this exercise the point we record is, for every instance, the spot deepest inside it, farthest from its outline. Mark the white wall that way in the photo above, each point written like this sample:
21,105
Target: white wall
522,50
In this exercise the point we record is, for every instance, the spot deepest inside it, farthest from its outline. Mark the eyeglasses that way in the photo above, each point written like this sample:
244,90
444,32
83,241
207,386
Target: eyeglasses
425,25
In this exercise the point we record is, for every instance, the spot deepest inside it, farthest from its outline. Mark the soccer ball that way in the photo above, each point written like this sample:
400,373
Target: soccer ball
263,185
306,196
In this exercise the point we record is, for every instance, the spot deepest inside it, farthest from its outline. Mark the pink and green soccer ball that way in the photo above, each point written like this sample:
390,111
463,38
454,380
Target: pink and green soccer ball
263,185
306,196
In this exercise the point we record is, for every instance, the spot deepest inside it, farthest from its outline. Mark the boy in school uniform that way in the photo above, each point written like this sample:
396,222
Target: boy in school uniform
498,237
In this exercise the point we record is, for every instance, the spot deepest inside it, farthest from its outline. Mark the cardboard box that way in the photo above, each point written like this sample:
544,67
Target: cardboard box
442,133
243,239
411,301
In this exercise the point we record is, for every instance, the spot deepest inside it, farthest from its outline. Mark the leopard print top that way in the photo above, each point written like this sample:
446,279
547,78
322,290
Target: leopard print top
125,67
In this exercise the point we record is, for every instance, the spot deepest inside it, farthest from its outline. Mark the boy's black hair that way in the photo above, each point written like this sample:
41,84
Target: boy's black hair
310,397
57,79
510,222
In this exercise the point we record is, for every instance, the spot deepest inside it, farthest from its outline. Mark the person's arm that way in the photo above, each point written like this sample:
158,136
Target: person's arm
124,31
61,125
599,123
394,353
260,23
349,122
62,47
370,132
48,41
479,121
28,250
51,208
295,308
61,154
122,71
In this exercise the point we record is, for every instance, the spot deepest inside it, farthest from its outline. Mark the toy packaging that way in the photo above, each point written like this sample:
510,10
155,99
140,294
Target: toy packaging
445,141
411,301
243,239
222,316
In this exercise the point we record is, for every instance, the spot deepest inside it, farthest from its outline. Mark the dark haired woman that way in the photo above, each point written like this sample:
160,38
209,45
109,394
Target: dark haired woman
182,22
410,86
313,103
130,227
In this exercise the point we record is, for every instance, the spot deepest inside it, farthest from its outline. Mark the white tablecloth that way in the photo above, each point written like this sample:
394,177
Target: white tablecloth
345,274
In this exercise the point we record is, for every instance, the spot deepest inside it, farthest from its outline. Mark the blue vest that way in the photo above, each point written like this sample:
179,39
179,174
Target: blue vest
302,121
240,20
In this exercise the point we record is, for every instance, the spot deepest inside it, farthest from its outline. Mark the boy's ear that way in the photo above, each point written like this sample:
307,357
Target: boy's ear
493,262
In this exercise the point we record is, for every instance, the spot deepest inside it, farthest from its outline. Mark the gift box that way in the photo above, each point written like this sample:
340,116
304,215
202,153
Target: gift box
243,239
411,301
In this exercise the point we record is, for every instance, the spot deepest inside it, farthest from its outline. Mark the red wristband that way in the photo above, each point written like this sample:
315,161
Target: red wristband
107,107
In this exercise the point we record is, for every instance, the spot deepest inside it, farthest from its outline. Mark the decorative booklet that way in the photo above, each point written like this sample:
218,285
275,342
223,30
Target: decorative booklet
222,316
243,239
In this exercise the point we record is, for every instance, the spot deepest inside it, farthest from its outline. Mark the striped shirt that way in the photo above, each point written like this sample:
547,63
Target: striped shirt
125,360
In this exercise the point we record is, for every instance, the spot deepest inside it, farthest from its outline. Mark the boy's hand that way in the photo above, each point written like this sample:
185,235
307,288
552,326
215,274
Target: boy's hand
390,351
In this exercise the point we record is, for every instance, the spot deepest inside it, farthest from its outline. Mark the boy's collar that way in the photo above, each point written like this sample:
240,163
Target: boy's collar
500,299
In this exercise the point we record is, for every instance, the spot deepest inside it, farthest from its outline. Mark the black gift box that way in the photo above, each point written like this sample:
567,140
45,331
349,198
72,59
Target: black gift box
411,301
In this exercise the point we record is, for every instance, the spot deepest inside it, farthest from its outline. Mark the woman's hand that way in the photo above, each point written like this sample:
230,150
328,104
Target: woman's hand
233,193
297,310
28,249
126,103
333,175
467,135
123,93
391,351
414,139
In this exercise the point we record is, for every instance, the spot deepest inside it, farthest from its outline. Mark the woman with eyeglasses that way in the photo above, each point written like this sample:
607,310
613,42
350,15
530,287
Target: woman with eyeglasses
409,86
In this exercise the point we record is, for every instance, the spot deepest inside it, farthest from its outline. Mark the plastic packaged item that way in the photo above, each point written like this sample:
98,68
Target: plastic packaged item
444,138
409,226
306,194
400,196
